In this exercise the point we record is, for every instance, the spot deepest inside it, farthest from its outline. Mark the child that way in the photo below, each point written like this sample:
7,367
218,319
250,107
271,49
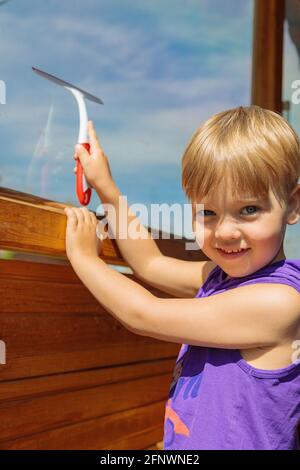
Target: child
236,383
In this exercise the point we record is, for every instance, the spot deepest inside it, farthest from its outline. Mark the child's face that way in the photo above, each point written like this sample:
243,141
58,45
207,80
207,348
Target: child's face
259,226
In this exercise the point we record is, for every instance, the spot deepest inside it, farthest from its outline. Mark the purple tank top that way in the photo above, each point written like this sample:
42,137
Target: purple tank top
218,401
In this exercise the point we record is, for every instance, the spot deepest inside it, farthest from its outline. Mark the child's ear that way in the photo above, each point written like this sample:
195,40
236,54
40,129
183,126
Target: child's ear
294,206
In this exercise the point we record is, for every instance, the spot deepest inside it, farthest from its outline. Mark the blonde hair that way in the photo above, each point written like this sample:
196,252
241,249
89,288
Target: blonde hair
255,147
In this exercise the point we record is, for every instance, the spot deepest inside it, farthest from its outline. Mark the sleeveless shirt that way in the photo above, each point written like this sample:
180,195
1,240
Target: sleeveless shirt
218,401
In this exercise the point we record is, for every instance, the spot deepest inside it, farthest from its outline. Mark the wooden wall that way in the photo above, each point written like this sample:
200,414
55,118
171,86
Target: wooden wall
74,377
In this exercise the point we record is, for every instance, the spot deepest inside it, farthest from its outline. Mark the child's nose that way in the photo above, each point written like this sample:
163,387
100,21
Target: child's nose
227,228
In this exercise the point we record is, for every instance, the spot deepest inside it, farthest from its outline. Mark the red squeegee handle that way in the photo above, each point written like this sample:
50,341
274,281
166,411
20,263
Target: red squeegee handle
83,196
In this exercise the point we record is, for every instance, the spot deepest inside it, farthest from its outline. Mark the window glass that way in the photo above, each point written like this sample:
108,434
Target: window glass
161,67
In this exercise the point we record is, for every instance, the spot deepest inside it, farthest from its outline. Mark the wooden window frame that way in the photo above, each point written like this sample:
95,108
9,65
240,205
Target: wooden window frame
267,59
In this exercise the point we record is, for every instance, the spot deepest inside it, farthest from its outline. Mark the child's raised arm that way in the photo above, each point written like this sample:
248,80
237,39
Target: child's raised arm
176,277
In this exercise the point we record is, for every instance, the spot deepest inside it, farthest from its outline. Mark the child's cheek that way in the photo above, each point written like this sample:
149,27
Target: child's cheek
199,231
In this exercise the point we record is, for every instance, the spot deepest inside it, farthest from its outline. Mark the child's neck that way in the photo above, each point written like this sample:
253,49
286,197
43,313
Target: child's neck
278,258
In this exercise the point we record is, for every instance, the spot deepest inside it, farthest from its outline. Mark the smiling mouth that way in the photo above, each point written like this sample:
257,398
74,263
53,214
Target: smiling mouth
232,253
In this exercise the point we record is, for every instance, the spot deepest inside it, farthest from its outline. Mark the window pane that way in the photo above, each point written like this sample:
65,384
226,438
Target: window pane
291,98
162,67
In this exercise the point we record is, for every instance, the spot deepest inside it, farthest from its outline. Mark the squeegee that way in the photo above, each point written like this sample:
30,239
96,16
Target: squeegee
83,189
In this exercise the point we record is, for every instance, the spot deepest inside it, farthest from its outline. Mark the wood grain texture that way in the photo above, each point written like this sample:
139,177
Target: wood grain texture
127,430
52,324
32,415
74,377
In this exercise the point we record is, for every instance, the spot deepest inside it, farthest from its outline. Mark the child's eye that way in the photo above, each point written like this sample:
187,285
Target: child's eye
201,212
251,207
256,209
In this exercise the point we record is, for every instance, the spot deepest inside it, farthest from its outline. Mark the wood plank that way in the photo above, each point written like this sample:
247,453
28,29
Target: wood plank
35,387
28,334
63,362
48,288
35,225
24,417
51,324
268,54
138,441
130,429
39,228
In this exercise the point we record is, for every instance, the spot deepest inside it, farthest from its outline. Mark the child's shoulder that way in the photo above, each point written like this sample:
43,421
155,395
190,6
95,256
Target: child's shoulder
285,271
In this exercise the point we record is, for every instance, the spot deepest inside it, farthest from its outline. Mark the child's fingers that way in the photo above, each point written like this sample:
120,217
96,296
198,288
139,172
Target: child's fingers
71,218
94,141
81,154
93,218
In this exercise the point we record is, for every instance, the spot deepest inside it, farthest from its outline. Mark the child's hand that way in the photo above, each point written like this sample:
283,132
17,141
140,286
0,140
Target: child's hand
95,165
81,236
